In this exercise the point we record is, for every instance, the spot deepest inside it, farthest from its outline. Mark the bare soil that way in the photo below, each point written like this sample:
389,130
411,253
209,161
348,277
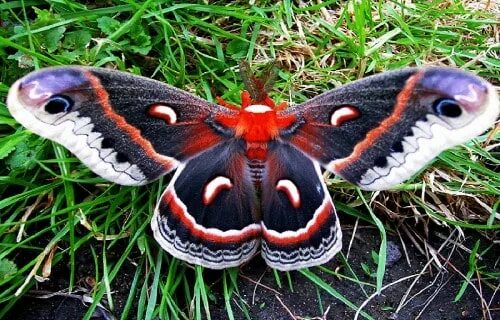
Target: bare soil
431,297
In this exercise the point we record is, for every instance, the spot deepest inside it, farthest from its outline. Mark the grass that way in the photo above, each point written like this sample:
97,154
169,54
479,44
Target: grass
55,213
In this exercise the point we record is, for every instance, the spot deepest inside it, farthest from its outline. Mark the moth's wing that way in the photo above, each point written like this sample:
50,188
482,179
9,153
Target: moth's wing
209,215
378,131
300,227
126,128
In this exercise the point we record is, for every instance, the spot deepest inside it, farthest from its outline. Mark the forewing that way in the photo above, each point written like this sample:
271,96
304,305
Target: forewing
378,131
126,128
208,214
299,222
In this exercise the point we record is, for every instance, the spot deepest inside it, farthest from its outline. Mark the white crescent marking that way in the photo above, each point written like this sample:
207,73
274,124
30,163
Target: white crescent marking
213,188
290,189
343,114
166,113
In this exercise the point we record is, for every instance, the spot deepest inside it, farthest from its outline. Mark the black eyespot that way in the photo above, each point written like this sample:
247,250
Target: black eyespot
121,157
397,147
447,107
107,143
380,162
58,104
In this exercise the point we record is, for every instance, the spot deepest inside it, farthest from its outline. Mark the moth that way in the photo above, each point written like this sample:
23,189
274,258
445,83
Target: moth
251,177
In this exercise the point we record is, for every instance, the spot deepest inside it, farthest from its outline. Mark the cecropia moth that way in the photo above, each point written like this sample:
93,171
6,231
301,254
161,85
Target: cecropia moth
252,175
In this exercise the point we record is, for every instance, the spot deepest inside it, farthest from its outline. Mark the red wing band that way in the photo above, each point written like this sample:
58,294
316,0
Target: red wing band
207,215
300,227
417,131
313,245
90,128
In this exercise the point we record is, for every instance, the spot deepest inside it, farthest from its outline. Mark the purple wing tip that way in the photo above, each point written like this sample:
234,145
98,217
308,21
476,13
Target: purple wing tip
470,91
36,88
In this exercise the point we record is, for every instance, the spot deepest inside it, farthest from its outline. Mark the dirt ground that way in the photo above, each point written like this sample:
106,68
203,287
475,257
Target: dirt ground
265,300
